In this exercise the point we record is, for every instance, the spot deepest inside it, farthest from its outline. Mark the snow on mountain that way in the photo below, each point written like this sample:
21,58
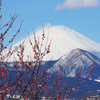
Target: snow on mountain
76,60
63,40
97,80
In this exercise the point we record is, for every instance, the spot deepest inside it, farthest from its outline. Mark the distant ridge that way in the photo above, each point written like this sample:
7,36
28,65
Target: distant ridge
76,60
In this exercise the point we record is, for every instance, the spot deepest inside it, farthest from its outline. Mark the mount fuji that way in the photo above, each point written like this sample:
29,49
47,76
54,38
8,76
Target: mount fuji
63,40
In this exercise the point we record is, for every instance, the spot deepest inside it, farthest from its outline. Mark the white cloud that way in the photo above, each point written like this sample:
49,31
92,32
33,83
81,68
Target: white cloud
71,4
47,24
44,25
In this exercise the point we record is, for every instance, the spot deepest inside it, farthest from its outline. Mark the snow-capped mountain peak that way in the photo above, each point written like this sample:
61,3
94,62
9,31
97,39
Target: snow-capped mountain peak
63,41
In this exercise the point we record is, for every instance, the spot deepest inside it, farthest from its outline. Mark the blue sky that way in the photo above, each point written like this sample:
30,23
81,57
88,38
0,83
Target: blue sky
82,16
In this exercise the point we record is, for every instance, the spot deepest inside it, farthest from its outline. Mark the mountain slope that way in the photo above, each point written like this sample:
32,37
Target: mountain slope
76,60
63,40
